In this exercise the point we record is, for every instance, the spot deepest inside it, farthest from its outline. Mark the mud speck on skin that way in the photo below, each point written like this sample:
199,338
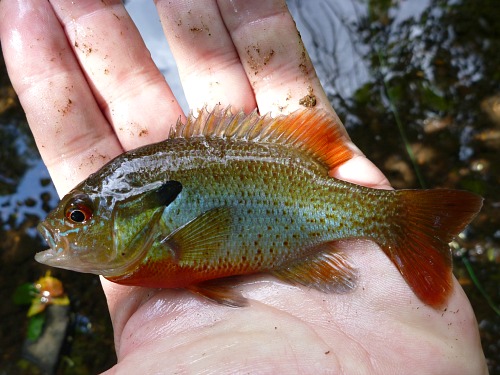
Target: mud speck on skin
85,48
66,108
94,159
303,68
268,57
196,29
257,58
309,100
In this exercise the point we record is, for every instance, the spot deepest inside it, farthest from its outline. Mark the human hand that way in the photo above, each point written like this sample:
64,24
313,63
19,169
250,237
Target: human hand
91,91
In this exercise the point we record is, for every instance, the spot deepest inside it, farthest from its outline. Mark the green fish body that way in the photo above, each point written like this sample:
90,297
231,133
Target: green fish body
229,195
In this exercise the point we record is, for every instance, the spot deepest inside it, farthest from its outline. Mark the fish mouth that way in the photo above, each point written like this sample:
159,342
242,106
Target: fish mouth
46,234
63,255
48,257
55,255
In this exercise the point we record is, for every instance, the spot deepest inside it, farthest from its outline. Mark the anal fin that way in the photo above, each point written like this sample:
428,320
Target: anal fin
326,269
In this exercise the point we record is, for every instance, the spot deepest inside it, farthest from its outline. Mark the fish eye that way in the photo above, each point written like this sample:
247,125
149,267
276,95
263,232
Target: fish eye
79,209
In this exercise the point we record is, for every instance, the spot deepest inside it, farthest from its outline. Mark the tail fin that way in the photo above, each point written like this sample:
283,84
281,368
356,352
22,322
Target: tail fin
426,221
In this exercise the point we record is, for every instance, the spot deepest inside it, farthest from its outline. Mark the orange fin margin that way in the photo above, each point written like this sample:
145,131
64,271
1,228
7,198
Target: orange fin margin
418,243
313,131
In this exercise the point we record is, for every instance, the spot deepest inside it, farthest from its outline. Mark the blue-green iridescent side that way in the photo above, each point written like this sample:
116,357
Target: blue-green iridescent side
281,202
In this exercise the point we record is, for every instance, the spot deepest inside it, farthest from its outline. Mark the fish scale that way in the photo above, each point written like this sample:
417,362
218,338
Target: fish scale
274,210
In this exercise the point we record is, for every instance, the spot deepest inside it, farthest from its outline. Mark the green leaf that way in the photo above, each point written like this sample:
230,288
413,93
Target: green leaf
433,97
395,93
364,94
35,326
474,185
23,295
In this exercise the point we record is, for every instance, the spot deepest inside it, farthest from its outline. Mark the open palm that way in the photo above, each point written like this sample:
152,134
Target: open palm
91,91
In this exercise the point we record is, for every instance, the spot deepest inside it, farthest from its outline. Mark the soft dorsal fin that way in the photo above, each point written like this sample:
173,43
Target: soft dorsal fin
313,131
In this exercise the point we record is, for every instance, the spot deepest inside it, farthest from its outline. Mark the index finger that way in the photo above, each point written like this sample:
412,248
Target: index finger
127,85
88,94
52,91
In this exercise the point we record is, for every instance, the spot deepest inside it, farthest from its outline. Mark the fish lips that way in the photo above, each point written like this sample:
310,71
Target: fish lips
56,247
63,254
55,256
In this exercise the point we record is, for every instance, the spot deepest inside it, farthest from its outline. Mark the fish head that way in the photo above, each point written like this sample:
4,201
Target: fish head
105,229
80,234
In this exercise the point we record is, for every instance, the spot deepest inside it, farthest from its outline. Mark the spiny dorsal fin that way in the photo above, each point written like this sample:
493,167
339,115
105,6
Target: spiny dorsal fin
313,131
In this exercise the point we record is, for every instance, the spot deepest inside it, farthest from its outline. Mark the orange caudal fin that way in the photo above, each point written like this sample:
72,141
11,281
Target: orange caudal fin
426,221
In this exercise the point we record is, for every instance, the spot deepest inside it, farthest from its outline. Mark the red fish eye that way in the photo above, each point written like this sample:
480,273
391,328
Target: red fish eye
79,209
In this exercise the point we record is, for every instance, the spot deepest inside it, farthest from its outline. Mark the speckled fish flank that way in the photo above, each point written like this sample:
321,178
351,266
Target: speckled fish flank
234,194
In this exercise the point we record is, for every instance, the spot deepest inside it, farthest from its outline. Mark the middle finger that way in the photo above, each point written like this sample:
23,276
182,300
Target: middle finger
208,64
127,85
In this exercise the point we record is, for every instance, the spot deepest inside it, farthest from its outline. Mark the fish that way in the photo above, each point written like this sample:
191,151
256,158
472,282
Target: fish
234,194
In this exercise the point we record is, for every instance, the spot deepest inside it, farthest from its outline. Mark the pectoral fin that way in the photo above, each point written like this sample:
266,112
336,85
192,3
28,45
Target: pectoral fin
202,237
325,269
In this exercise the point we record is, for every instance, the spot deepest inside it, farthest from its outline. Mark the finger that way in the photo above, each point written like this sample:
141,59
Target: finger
209,66
71,133
128,87
273,55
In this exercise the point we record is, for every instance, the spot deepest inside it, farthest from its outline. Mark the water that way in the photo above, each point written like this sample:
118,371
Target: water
417,84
